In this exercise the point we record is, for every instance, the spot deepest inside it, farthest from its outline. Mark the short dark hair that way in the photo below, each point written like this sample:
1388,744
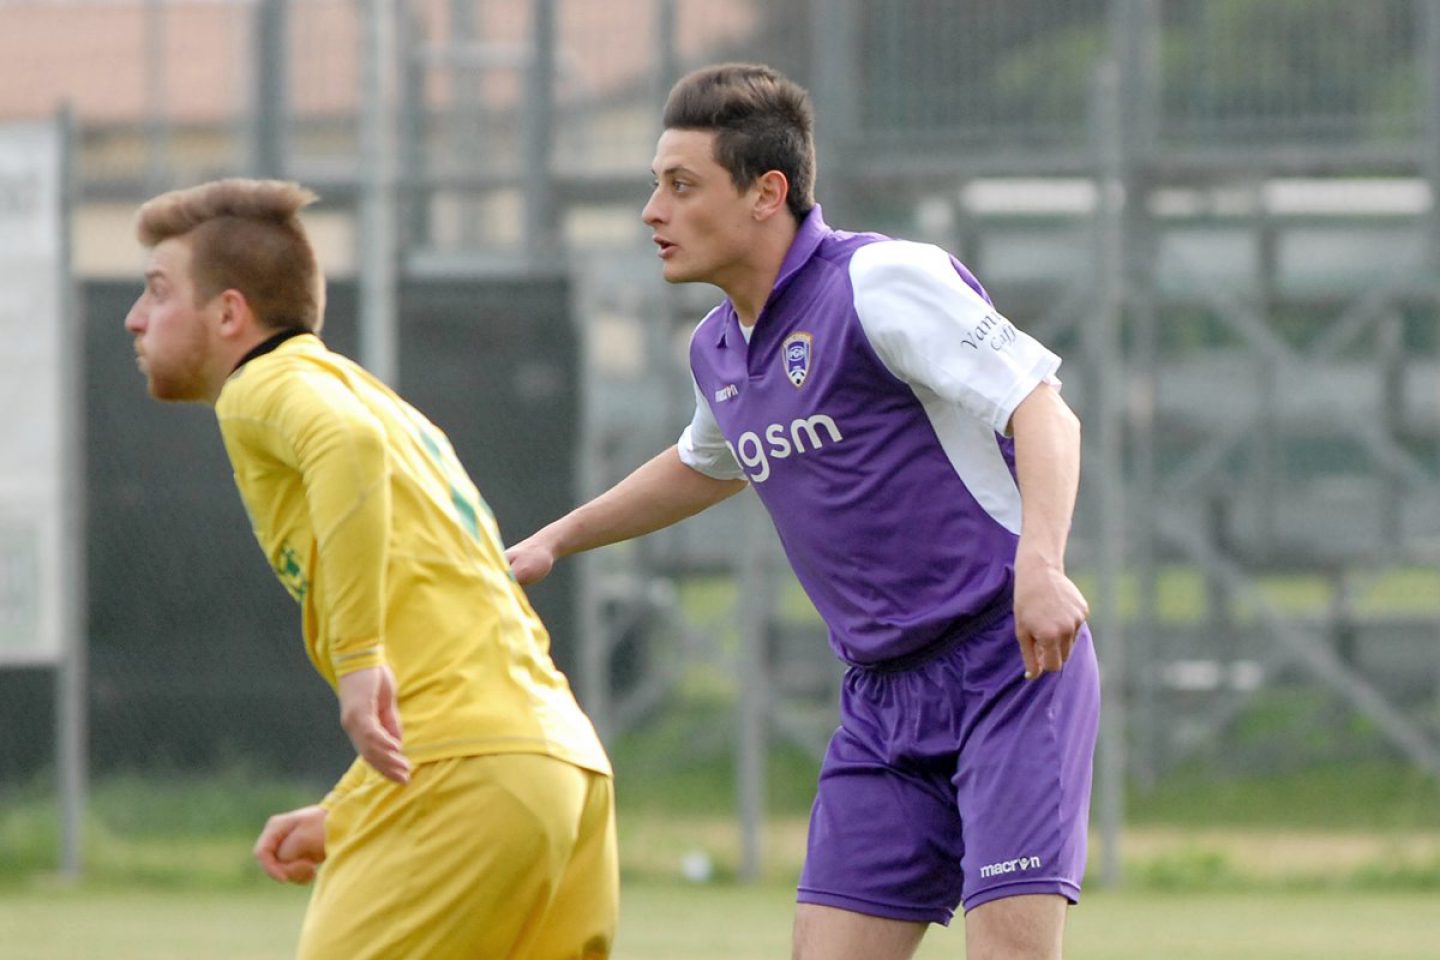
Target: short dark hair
245,235
762,121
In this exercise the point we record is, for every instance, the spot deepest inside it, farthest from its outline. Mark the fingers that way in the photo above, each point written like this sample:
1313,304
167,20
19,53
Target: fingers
291,846
387,707
1045,653
1027,653
390,761
389,717
528,564
381,749
1049,613
300,871
371,718
1067,644
396,766
267,846
268,852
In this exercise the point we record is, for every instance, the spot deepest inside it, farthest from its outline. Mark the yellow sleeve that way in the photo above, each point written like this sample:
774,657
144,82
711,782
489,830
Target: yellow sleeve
338,447
343,465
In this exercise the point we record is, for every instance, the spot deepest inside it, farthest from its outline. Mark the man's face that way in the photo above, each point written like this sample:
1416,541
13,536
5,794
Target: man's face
172,331
701,222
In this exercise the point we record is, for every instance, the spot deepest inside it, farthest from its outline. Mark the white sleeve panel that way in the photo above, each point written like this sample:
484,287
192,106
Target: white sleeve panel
933,331
702,446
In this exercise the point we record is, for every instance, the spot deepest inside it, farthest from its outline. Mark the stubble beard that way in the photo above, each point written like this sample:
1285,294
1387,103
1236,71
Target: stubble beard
181,380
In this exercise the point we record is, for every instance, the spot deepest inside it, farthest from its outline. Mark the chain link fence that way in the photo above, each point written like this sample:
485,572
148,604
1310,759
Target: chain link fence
1273,276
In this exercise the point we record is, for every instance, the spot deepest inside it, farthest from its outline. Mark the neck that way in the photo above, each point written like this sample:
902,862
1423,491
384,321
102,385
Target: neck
229,358
751,287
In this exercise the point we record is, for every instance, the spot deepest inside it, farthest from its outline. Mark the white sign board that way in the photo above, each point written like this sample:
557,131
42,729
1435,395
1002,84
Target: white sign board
35,356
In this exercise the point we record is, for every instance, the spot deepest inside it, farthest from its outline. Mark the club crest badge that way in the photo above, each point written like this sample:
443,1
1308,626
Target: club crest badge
796,351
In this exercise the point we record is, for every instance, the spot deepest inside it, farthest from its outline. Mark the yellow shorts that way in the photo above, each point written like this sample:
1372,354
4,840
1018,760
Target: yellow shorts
500,857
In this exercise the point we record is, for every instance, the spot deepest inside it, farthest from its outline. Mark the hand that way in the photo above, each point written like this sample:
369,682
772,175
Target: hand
1049,612
530,561
292,845
372,721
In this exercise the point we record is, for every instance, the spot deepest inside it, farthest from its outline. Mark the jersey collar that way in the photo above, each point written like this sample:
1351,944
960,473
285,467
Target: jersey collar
269,344
807,240
811,231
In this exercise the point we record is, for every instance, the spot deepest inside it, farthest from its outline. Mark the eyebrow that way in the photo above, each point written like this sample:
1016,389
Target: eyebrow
672,170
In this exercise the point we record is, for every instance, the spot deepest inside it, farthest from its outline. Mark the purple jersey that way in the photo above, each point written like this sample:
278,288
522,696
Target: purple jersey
869,410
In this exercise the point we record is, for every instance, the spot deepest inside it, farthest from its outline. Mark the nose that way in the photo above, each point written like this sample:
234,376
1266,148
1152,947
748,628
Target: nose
650,215
135,319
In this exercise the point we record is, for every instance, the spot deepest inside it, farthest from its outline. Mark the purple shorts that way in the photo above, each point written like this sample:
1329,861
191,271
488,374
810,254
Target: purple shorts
955,780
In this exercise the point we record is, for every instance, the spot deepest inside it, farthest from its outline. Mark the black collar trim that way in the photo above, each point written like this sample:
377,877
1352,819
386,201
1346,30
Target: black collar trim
265,346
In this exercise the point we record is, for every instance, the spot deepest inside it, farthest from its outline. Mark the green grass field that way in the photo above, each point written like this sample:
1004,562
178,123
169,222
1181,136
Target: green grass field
1325,861
666,921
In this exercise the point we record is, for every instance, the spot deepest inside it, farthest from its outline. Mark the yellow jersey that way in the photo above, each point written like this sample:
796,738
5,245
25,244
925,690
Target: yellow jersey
374,527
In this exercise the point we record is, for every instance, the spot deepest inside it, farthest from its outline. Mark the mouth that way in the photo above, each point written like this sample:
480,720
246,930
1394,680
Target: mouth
667,249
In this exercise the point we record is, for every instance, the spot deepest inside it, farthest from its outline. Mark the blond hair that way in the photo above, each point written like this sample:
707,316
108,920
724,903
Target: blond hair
245,235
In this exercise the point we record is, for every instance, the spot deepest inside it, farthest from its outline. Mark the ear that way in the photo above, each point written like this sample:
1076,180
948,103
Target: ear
236,317
771,190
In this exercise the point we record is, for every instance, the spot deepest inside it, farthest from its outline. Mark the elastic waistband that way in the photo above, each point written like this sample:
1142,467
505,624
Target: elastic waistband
963,630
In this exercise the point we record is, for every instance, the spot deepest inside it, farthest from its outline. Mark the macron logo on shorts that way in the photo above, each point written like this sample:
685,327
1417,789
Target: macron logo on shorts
1010,866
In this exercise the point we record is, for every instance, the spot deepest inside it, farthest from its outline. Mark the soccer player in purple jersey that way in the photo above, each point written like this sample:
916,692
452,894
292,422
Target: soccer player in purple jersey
894,424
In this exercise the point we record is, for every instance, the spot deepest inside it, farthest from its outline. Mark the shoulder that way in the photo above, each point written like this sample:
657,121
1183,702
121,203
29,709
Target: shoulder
839,248
879,266
284,385
899,274
887,262
262,381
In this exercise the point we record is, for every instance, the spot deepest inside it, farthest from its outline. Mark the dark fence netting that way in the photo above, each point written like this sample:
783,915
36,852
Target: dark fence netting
195,652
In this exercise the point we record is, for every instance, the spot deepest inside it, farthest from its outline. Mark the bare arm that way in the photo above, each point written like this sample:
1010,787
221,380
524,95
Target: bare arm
659,493
1049,608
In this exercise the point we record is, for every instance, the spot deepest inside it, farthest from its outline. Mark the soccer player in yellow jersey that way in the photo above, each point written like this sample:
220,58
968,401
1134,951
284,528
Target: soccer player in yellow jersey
477,820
